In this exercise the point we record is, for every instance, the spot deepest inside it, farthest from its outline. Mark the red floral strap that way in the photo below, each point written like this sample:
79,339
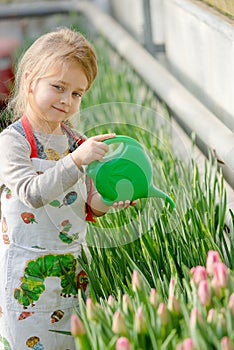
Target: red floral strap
79,141
34,154
89,213
29,136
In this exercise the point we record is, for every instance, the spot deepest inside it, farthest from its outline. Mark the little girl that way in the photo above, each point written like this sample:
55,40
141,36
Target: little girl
46,197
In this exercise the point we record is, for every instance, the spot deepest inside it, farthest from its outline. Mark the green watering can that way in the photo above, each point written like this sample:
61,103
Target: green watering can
125,174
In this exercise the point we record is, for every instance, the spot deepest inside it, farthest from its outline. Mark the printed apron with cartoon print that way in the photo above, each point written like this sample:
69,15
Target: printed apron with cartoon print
40,275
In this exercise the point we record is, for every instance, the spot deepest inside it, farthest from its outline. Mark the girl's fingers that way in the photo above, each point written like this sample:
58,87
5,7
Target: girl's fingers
103,137
123,204
92,149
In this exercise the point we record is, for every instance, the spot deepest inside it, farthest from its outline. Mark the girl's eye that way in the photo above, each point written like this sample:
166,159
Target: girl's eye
77,94
58,87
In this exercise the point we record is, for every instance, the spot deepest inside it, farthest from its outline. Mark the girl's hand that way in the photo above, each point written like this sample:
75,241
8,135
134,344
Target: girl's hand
90,150
124,204
99,208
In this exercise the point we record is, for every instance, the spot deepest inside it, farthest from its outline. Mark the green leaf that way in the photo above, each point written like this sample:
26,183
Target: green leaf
55,203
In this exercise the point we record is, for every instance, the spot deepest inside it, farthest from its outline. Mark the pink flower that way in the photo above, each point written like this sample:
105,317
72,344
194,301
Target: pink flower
195,317
173,304
179,346
139,322
220,274
136,282
126,303
211,317
111,300
153,298
188,344
118,323
77,327
221,322
231,303
162,313
203,293
212,257
123,344
90,309
171,288
216,286
226,344
198,274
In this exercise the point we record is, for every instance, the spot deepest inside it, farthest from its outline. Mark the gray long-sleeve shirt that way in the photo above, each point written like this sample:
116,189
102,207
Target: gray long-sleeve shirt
18,174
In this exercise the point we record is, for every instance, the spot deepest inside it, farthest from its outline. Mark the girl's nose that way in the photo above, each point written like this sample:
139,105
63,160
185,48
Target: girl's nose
65,99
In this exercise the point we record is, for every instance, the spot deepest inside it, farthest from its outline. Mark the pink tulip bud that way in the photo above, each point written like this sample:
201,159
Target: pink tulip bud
118,323
188,344
216,286
222,320
162,313
153,298
111,300
220,274
77,327
211,317
179,346
171,288
126,303
136,282
198,274
173,305
195,317
204,294
90,309
226,344
212,257
231,303
123,344
139,322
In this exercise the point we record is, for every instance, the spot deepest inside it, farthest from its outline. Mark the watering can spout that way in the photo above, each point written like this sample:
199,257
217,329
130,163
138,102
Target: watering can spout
155,192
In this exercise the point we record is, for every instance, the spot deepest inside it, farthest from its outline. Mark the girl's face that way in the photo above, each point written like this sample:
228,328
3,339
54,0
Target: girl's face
58,96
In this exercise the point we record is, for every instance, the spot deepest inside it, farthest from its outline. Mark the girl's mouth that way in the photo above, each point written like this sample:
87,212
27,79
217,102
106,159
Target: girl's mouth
59,109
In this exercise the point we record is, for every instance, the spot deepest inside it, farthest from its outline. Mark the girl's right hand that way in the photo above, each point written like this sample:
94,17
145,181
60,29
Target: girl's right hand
92,149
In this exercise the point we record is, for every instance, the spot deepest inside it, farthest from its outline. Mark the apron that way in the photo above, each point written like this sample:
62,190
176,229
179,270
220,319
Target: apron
39,271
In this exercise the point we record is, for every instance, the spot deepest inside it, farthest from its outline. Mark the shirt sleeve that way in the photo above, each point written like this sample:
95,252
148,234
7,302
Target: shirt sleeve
18,174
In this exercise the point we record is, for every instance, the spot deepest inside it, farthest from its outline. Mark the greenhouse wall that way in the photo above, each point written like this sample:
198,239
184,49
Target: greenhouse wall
198,44
199,48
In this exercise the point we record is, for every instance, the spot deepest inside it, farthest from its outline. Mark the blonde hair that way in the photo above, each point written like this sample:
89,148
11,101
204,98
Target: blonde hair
46,55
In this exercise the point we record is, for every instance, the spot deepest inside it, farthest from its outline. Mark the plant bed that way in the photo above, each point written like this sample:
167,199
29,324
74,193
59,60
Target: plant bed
196,315
159,244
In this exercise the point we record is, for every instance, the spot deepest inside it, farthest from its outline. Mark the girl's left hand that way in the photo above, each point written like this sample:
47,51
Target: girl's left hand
124,204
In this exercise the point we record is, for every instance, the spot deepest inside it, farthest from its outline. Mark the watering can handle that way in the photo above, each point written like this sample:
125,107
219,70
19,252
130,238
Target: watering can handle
125,140
122,138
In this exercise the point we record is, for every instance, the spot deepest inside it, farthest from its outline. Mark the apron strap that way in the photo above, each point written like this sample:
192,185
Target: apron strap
34,154
29,136
89,213
79,141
